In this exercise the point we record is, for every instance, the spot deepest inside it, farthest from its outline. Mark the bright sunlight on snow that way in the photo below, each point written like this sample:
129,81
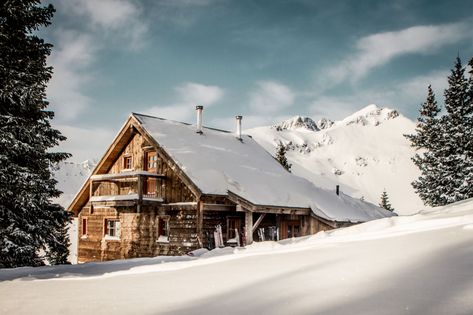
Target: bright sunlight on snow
419,264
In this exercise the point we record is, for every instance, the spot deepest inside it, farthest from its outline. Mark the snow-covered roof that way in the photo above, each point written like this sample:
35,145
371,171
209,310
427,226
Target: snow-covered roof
217,162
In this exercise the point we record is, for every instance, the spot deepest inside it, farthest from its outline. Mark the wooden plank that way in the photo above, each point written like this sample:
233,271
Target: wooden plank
218,207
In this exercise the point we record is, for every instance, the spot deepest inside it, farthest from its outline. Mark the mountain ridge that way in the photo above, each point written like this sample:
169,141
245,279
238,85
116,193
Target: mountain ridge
365,153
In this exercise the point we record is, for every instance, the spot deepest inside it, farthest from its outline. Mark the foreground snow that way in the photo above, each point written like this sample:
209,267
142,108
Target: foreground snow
420,264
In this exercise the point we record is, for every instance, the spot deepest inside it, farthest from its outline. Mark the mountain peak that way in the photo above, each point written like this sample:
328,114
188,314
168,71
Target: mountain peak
370,115
297,122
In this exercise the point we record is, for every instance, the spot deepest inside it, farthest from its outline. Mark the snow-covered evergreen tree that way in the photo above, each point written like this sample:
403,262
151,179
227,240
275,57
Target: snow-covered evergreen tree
428,139
385,202
29,221
446,143
427,127
456,157
281,156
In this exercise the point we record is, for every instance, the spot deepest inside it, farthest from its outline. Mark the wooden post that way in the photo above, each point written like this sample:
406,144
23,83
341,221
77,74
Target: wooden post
91,192
200,222
249,227
140,193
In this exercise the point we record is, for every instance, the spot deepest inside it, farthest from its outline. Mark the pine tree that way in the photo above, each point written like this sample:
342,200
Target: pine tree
427,138
427,126
29,221
281,156
385,202
456,150
446,162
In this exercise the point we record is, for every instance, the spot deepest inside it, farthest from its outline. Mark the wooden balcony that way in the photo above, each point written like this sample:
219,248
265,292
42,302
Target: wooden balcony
124,189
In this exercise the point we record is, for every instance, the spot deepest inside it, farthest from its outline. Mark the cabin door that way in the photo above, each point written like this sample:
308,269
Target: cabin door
150,166
290,228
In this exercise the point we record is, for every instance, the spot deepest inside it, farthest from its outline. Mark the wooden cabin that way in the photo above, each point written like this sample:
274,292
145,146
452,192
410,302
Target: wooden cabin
167,188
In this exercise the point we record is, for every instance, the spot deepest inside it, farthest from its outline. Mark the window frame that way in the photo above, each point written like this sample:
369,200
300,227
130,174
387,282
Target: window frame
127,159
116,229
151,160
84,227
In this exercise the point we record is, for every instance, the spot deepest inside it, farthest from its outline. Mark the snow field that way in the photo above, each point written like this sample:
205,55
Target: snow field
419,264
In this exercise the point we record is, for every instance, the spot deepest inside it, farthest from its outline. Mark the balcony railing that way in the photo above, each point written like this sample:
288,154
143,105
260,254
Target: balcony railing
125,188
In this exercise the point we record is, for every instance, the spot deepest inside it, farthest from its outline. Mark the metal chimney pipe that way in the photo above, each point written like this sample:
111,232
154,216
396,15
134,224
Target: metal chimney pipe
238,127
199,109
337,190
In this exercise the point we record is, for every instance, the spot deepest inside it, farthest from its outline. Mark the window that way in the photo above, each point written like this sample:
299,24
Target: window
112,229
151,160
162,229
127,162
84,226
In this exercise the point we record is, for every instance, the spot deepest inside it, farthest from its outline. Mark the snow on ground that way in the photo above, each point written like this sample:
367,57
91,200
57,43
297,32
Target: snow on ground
419,264
364,153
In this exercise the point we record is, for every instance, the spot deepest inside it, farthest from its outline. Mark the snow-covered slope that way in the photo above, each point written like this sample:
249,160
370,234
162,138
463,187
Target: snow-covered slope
70,177
363,269
364,153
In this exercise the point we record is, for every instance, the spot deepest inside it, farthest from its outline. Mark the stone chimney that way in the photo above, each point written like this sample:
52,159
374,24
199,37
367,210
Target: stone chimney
199,109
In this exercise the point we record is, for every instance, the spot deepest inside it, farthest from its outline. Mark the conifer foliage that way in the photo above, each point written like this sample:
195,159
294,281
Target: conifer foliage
446,143
29,222
281,156
385,202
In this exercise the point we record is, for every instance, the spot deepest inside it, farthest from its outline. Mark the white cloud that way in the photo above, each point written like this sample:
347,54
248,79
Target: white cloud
405,96
189,95
85,143
199,94
76,50
123,17
71,59
415,89
271,97
378,49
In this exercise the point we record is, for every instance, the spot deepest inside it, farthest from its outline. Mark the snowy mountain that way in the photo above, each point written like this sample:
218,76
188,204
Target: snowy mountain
70,177
364,153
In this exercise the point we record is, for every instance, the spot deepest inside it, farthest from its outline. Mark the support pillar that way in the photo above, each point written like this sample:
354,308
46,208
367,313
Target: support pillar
140,193
249,227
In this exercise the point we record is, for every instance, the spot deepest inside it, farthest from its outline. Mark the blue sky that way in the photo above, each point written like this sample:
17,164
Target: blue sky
265,60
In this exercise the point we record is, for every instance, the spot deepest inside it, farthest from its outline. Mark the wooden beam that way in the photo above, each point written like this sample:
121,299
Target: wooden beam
257,223
91,194
140,193
200,222
218,207
282,211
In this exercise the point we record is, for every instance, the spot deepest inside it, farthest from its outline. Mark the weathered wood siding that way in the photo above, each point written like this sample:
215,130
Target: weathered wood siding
139,230
317,225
